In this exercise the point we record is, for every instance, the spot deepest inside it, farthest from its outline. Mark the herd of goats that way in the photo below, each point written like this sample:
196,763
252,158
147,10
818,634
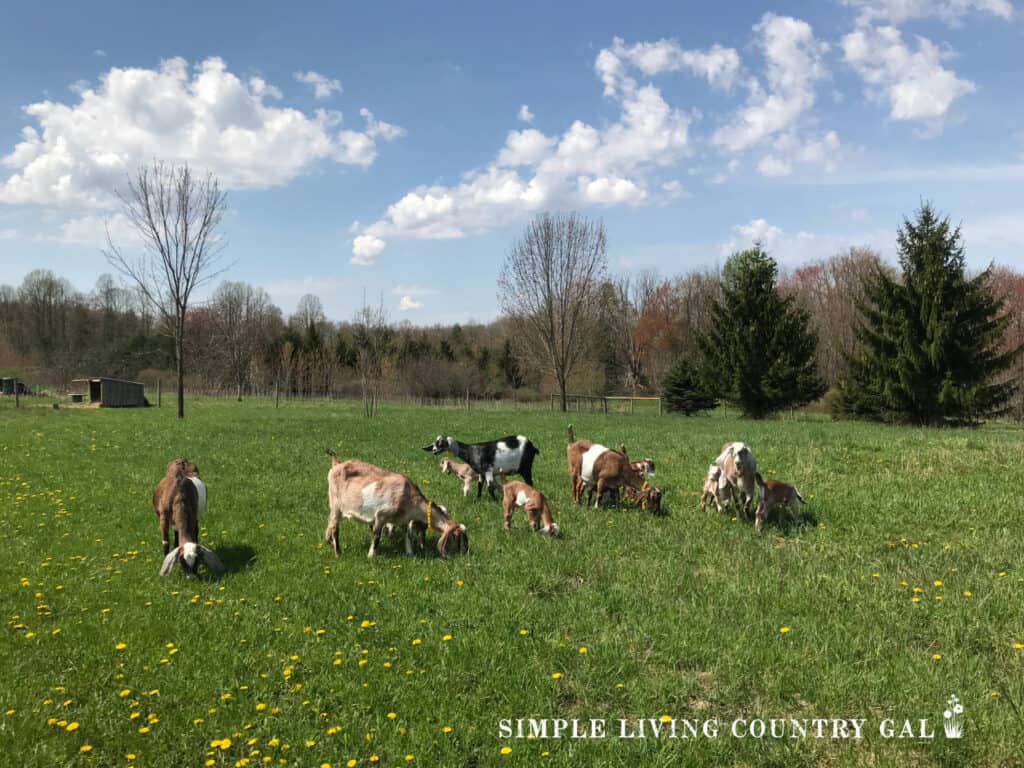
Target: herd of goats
389,502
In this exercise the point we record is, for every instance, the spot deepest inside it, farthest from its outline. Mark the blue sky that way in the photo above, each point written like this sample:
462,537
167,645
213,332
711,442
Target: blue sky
397,150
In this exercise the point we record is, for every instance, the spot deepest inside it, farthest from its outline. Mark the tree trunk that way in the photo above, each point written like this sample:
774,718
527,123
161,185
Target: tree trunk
562,395
179,354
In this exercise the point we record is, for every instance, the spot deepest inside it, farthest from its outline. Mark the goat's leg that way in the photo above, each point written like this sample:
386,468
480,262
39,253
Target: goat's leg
164,524
508,506
760,516
527,473
378,529
479,486
331,533
466,483
533,515
600,492
490,484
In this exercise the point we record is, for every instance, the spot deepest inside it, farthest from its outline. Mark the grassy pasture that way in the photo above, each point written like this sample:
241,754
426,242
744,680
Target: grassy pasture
295,657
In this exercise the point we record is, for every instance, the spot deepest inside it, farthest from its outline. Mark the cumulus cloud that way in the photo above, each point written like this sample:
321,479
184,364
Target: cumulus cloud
525,114
408,302
794,61
718,65
323,86
99,53
914,82
92,230
949,11
583,166
789,150
365,249
78,153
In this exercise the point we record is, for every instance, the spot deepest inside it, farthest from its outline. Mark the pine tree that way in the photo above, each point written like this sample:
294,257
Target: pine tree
683,390
759,350
933,340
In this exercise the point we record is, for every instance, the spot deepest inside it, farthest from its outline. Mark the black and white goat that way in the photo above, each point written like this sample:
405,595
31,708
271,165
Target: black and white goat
512,455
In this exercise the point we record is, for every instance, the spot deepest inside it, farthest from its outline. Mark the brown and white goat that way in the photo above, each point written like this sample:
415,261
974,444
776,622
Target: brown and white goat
774,493
739,469
715,488
464,472
574,451
178,500
516,493
380,498
602,469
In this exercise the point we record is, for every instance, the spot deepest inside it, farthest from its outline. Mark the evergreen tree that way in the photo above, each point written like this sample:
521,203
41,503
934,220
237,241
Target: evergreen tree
683,391
758,352
509,366
932,341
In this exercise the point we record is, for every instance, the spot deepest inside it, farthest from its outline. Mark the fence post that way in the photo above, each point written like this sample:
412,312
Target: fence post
239,393
17,394
659,407
631,406
277,395
159,394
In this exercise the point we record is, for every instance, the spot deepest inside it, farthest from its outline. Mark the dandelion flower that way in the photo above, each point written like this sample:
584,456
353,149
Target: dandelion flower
583,649
446,729
392,715
967,593
125,692
506,750
446,638
783,630
121,646
524,631
85,748
556,675
937,583
936,656
260,707
1018,646
666,718
351,763
417,641
71,727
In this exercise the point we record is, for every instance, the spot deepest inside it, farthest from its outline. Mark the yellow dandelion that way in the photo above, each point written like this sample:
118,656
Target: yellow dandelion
417,641
121,646
446,729
374,758
967,593
260,707
325,765
783,630
937,583
556,675
524,631
915,599
71,727
583,649
310,743
666,718
446,638
506,750
10,712
351,763
392,715
125,692
409,758
936,656
85,748
1018,646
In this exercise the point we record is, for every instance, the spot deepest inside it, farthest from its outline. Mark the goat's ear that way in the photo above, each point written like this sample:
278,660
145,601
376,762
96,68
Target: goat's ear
170,560
212,561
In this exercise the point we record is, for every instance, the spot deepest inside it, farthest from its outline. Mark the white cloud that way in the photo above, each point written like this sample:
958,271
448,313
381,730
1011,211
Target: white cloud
408,302
915,84
584,166
92,230
378,129
718,65
8,234
794,63
791,251
204,115
99,53
366,248
788,149
323,86
950,11
674,189
525,114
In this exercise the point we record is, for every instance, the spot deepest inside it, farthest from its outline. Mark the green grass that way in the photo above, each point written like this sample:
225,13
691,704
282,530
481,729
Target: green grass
679,614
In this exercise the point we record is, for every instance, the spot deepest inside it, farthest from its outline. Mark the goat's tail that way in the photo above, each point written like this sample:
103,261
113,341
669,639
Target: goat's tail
759,479
572,437
802,499
335,459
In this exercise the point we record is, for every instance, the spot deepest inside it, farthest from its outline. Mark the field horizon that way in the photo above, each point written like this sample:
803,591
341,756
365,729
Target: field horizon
899,587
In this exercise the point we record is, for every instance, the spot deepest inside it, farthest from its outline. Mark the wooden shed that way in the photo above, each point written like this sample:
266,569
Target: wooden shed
111,393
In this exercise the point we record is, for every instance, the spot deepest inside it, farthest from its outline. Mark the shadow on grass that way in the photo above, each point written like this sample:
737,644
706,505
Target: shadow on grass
236,557
787,524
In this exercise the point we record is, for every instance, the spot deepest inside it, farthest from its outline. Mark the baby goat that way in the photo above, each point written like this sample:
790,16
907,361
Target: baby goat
739,468
178,499
603,469
715,488
462,471
379,498
516,493
512,455
773,493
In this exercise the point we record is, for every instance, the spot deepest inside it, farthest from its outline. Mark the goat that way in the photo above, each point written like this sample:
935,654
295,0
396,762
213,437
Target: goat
179,498
716,488
516,493
739,468
574,451
643,467
774,492
462,471
512,455
603,469
380,498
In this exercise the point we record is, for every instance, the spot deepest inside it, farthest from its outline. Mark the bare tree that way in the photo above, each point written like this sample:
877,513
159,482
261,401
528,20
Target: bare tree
374,342
176,216
548,286
241,316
